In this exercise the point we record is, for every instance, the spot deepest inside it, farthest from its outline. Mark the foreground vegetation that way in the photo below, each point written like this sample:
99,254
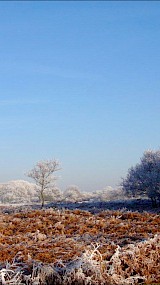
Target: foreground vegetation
77,247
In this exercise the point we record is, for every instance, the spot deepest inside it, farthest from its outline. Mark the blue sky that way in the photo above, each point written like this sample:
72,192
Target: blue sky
80,82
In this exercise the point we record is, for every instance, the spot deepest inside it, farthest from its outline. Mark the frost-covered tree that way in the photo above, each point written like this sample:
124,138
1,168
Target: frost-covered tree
53,195
18,191
72,194
42,173
144,178
108,194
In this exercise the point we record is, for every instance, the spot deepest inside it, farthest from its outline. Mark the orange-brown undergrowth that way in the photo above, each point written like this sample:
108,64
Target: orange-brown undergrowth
53,236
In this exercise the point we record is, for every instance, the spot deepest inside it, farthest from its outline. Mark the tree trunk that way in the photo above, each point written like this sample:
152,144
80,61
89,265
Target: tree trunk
42,198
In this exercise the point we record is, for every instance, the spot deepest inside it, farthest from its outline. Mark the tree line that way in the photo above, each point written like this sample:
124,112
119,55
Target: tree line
142,180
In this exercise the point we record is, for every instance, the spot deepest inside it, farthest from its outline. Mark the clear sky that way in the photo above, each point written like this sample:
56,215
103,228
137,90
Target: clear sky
79,82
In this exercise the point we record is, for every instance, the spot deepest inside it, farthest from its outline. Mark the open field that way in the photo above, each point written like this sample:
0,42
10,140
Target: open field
61,246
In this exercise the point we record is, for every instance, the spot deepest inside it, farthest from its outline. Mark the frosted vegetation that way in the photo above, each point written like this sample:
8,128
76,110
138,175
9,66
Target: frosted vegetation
90,268
62,247
141,181
20,191
144,178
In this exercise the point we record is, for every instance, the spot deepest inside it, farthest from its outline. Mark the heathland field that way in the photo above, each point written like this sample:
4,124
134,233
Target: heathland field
61,246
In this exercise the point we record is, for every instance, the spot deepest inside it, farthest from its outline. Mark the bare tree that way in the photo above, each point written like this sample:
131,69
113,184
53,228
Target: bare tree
42,174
